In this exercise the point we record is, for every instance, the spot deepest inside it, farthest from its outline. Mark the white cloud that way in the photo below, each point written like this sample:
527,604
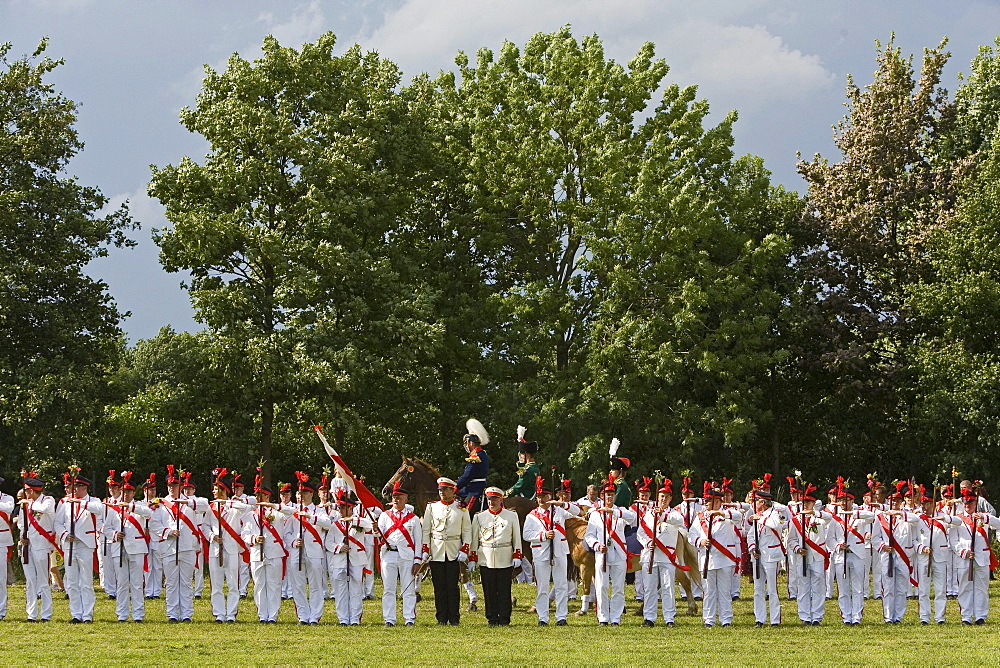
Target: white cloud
305,24
704,45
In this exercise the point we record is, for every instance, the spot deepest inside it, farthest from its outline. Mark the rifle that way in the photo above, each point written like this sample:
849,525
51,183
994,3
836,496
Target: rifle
72,525
930,542
708,549
802,535
552,541
604,562
221,536
972,545
121,548
892,543
302,545
25,550
756,531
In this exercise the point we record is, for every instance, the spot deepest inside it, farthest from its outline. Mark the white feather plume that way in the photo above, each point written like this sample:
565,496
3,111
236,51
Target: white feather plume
521,431
613,449
474,426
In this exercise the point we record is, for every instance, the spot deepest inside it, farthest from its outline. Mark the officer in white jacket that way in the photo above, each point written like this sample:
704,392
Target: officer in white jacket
227,550
496,549
349,539
545,532
714,530
934,556
660,528
765,528
128,549
307,559
847,541
263,529
605,536
400,556
77,523
893,538
180,543
6,544
38,512
970,541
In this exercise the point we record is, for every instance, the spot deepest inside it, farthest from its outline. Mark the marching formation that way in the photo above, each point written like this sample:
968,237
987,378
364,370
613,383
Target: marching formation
891,545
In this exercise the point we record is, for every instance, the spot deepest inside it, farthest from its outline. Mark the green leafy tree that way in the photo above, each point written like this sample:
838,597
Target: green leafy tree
59,334
287,229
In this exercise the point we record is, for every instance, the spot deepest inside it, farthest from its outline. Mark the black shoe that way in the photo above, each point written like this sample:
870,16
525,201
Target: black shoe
543,623
78,621
410,624
44,620
614,624
88,621
941,622
815,623
122,620
980,622
670,624
389,624
186,621
697,598
453,623
726,625
963,621
604,623
264,621
925,623
111,597
647,622
759,625
243,597
220,621
32,621
561,622
313,623
303,623
137,621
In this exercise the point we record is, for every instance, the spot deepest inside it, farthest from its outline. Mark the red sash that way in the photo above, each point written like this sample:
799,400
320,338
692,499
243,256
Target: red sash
543,517
716,544
312,530
270,527
811,543
842,519
244,550
176,511
47,535
981,530
894,544
608,523
6,518
397,525
671,552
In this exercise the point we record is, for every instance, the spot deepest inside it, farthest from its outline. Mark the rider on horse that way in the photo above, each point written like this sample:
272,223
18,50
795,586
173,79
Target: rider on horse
472,482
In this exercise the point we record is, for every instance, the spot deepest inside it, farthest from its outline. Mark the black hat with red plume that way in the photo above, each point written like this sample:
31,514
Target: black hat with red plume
540,487
172,477
220,479
304,484
127,480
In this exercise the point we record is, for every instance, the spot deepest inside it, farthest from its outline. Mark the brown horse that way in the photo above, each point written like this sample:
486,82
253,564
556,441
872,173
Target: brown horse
419,478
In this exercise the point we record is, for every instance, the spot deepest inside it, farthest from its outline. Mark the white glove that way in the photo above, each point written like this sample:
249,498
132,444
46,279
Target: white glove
472,566
463,557
517,563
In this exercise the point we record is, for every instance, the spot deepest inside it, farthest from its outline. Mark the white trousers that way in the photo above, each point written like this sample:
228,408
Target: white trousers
610,585
895,588
718,599
939,571
851,588
225,584
36,575
267,588
79,581
369,577
811,594
308,586
244,577
657,587
130,580
177,574
108,565
15,551
766,587
199,574
154,578
349,591
973,596
554,573
397,574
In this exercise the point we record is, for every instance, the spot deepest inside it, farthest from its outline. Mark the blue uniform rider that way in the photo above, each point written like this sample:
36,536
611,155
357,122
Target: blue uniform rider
472,483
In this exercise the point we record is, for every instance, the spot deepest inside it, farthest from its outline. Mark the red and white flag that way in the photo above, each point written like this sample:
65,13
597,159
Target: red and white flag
367,499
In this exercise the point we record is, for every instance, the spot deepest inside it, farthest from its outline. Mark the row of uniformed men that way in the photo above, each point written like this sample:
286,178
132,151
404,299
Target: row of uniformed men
909,544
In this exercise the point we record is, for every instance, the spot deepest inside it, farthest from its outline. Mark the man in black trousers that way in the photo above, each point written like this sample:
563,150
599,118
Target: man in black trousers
447,533
496,547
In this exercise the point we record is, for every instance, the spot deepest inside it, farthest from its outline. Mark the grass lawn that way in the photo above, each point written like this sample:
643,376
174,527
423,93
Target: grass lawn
155,642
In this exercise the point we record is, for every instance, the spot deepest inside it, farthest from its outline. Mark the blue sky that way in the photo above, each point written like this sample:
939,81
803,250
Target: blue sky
132,65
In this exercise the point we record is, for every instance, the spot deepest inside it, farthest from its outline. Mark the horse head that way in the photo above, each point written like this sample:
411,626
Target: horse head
401,473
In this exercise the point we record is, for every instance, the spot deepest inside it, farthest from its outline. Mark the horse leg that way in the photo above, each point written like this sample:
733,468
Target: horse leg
470,589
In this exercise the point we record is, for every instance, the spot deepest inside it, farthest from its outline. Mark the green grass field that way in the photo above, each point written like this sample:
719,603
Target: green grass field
155,642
